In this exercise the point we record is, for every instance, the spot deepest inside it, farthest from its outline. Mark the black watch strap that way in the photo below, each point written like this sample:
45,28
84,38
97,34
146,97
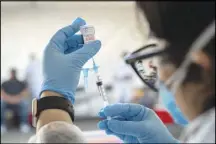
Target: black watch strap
54,102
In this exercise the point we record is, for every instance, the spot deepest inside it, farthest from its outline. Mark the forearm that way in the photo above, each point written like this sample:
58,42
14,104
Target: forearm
15,99
24,93
9,96
51,115
5,97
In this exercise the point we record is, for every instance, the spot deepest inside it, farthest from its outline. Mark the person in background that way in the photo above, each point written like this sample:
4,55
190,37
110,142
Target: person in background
34,75
123,78
12,97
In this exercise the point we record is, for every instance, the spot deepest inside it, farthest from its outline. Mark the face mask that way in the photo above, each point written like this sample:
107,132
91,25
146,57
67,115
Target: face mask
179,75
168,100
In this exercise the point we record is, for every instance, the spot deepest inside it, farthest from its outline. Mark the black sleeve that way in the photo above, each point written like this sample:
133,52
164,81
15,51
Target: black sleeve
4,85
24,85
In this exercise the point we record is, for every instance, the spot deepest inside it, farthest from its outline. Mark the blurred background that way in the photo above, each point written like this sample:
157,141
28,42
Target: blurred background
26,28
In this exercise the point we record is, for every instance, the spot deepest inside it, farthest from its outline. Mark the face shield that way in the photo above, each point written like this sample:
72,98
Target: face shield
179,75
147,59
144,63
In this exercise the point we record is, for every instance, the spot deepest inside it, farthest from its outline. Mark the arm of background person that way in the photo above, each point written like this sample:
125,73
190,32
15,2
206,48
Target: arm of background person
22,95
4,95
9,98
25,92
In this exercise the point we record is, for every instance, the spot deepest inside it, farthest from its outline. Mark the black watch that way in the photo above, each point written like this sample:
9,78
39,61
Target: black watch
50,102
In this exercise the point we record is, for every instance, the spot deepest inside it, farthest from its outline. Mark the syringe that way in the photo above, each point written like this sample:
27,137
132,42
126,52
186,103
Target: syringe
88,33
100,86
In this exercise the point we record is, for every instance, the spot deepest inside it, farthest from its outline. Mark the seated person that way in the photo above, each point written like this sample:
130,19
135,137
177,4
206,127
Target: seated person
12,92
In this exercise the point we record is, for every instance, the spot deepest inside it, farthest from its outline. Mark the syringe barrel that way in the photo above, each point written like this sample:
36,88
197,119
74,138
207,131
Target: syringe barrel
100,86
101,90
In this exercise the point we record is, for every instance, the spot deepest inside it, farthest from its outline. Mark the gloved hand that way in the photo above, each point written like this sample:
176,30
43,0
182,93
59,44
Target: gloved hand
134,123
63,59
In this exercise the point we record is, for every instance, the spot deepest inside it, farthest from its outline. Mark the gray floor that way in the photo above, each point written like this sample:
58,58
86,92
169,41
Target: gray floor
14,136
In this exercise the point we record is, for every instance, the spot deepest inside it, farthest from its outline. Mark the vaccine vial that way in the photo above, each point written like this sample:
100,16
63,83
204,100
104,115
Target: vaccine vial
88,33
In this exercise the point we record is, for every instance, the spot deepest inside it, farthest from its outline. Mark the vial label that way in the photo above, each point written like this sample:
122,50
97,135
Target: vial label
88,33
88,38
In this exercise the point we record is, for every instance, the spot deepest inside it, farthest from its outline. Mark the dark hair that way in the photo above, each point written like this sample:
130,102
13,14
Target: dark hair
180,23
13,71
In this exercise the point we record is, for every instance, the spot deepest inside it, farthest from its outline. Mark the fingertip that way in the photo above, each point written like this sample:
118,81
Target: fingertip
101,114
101,109
80,21
77,23
110,109
98,42
102,125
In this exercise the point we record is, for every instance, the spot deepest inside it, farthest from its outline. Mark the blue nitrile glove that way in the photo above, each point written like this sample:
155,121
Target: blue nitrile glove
134,123
64,58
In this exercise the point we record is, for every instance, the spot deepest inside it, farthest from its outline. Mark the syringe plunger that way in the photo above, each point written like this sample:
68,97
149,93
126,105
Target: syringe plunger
101,88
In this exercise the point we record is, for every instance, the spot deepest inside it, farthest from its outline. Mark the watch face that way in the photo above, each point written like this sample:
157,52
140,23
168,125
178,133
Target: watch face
34,111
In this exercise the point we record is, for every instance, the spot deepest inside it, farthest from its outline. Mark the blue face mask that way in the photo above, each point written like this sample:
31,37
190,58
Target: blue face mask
169,102
179,75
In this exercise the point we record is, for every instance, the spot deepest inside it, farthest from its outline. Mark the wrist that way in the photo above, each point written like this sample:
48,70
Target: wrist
49,91
53,113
